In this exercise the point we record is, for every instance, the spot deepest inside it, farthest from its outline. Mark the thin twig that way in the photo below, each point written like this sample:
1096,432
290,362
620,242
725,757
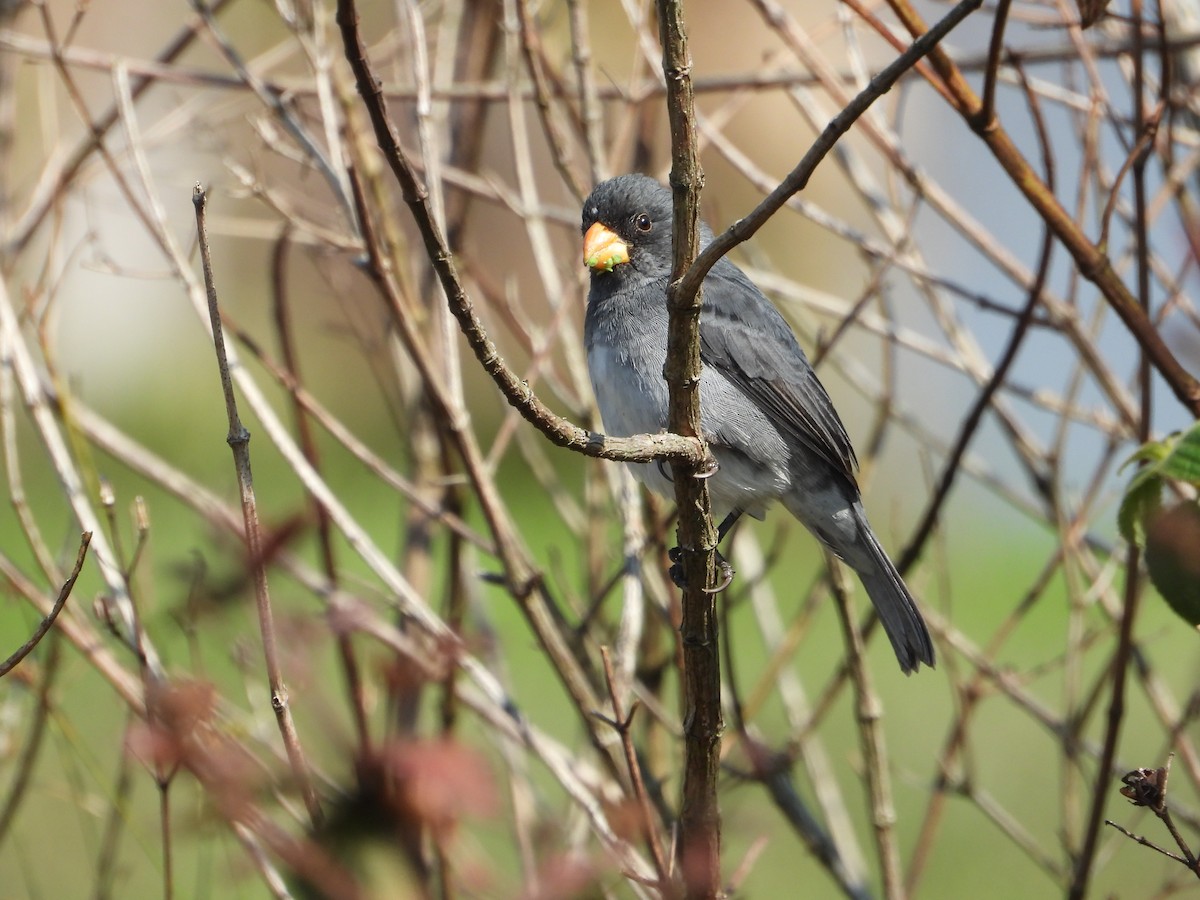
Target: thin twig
622,723
48,621
15,354
239,442
640,448
744,228
1091,259
1008,358
589,97
987,110
108,851
281,309
869,714
1145,842
551,125
23,767
1119,669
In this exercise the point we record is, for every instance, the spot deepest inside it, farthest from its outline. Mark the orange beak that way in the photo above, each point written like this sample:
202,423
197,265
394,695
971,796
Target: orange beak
603,250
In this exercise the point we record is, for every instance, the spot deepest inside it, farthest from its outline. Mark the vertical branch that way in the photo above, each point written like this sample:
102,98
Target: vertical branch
987,109
700,820
1132,587
239,443
108,851
589,101
869,713
623,723
164,824
531,51
284,328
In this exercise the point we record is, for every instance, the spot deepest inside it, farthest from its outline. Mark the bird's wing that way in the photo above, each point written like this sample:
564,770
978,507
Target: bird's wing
743,336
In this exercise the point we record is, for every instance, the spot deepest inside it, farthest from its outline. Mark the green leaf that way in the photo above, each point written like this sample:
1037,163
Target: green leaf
1175,458
1173,557
1152,452
1183,462
1140,502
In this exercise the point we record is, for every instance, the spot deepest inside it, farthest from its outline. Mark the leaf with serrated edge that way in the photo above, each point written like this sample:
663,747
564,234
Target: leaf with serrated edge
1183,462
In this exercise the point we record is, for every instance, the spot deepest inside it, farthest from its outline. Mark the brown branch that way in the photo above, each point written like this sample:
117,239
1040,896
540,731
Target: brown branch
743,229
1148,788
1008,358
239,442
589,94
21,767
700,816
48,621
987,112
1119,667
1090,258
284,329
108,854
531,52
868,713
561,644
1145,842
622,724
640,448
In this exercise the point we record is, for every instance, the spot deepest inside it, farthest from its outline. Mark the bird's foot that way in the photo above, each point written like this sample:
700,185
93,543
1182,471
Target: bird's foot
724,571
706,469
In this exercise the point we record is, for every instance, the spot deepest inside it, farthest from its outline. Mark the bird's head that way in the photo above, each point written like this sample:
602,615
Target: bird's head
627,228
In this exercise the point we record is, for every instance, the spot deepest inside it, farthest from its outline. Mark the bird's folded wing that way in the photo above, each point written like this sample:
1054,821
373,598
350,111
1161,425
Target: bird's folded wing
743,336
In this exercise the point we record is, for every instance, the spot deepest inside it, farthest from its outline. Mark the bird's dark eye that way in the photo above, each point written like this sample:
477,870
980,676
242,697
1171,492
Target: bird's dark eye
642,222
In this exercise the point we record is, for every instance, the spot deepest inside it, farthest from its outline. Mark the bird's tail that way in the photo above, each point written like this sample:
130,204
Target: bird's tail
897,610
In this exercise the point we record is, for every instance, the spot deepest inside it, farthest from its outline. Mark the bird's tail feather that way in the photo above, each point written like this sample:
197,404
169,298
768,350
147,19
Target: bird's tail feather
897,610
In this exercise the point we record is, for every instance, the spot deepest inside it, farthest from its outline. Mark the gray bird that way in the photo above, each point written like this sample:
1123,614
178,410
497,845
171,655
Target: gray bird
767,419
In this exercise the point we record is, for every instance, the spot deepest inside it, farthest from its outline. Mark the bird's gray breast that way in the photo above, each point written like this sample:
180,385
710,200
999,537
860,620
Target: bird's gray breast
630,389
626,339
626,367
